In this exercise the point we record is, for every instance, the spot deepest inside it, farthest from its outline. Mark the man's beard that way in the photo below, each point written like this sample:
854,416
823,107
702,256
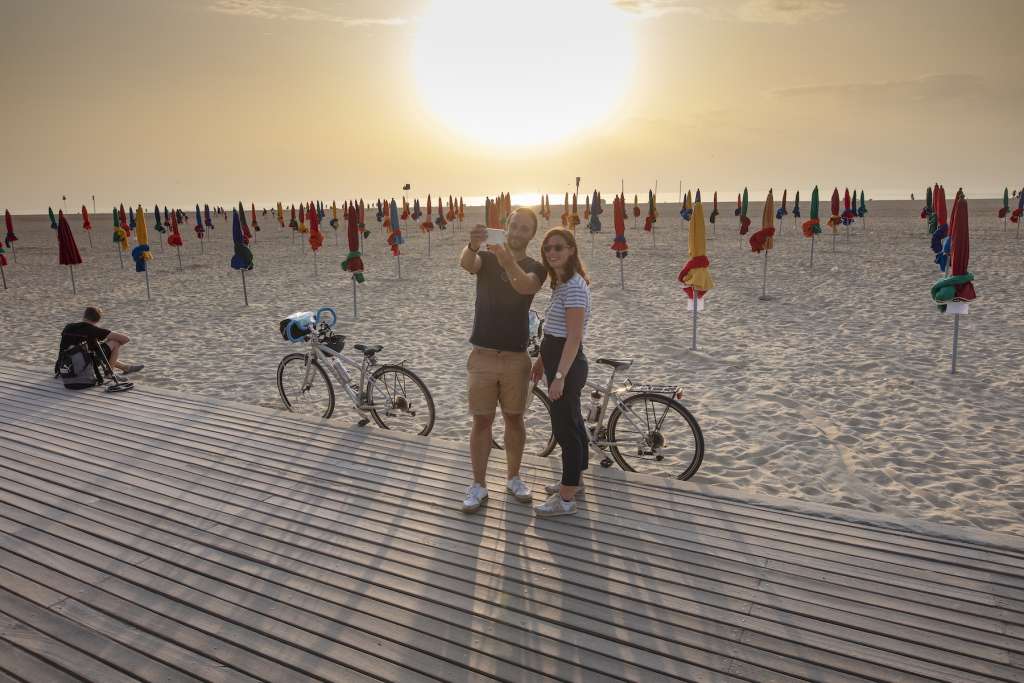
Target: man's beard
517,243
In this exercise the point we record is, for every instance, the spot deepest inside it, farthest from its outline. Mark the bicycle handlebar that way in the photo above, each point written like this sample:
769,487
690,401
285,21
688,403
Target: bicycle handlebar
334,316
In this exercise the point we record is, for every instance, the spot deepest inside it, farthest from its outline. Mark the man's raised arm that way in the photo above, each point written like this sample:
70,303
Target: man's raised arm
470,259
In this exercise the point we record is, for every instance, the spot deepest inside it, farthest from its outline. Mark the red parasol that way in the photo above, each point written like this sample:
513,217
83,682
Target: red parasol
175,237
86,225
960,249
69,255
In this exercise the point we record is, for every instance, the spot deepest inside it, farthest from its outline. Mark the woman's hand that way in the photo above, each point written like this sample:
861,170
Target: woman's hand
537,371
555,389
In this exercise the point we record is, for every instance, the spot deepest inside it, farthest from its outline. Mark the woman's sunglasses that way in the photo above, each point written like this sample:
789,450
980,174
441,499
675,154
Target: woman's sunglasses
548,248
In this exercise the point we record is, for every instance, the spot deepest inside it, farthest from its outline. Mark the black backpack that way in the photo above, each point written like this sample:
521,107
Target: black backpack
76,367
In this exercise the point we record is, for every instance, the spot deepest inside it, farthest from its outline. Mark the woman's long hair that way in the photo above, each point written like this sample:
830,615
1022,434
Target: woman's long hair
575,264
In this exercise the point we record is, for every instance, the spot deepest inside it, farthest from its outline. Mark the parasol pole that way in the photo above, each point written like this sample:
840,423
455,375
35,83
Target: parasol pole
245,292
14,252
956,339
428,243
693,346
202,247
622,278
812,251
833,241
355,308
398,260
3,275
179,258
315,272
764,279
147,282
74,289
89,233
94,204
119,256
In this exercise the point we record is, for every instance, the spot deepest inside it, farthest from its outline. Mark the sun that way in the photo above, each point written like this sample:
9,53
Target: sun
526,73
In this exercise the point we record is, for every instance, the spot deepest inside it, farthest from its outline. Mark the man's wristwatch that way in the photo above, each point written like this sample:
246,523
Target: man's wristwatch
559,375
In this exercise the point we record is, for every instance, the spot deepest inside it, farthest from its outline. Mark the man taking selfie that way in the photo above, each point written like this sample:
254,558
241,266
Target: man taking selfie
499,367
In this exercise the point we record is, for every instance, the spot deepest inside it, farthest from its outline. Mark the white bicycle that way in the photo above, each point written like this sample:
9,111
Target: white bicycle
392,395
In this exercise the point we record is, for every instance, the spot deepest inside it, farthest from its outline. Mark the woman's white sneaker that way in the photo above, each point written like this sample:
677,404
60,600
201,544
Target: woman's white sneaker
476,495
557,488
555,506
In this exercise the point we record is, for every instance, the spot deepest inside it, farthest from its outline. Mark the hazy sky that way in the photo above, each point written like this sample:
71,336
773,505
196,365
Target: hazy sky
178,101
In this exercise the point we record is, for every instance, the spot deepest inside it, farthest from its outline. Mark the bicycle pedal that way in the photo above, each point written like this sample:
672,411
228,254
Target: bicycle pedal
363,422
607,462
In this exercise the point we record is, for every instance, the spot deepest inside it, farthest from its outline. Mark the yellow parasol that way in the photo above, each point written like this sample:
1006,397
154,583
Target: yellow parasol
696,274
142,234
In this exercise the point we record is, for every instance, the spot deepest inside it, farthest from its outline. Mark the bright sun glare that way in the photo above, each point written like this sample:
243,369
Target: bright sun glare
529,72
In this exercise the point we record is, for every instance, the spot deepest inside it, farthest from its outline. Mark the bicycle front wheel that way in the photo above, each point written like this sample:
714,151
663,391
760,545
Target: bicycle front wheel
399,400
307,391
655,434
540,440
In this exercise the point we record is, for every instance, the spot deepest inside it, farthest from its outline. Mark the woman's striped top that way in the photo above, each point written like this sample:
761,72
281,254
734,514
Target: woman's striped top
572,294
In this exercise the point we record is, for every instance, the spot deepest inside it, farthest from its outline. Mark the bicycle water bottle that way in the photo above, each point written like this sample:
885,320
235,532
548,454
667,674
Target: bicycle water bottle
594,412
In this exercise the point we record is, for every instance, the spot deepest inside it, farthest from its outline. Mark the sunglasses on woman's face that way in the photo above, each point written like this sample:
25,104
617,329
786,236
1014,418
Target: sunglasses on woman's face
548,248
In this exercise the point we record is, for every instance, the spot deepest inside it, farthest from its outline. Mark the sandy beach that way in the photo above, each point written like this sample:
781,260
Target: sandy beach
837,391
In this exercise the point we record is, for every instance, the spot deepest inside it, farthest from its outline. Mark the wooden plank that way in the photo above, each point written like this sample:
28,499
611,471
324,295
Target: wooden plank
792,550
890,580
71,635
227,641
966,677
23,666
760,512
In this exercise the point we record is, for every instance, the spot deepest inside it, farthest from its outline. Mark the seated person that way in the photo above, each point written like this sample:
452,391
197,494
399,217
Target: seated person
97,337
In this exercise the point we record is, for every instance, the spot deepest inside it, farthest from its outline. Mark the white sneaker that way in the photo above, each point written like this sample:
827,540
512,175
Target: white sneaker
557,488
520,490
555,506
476,495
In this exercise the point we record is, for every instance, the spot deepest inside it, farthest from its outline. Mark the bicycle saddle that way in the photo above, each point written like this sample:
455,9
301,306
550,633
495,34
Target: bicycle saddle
614,363
368,350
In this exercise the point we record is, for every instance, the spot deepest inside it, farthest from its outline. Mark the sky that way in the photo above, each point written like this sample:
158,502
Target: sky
179,101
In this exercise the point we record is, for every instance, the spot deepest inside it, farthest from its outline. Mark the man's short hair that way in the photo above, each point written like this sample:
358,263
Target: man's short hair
93,314
531,213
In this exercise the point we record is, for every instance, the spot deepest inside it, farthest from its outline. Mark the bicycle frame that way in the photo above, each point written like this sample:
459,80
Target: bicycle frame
608,392
322,354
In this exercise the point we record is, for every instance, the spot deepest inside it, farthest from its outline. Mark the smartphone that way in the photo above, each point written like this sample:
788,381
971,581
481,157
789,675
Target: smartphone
495,236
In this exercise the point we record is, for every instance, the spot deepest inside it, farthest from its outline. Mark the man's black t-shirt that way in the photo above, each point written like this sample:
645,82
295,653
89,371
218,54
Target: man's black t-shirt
502,317
76,332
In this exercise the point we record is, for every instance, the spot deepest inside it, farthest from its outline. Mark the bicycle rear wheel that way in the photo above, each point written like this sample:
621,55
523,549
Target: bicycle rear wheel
399,400
655,434
540,440
312,396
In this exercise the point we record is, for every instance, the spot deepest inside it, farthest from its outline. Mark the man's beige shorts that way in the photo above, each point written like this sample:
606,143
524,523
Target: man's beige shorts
498,377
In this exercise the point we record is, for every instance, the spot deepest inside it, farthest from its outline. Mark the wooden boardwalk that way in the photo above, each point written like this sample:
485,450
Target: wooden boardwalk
152,536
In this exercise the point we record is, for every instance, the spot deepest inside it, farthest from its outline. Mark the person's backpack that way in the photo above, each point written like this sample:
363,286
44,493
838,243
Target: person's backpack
76,367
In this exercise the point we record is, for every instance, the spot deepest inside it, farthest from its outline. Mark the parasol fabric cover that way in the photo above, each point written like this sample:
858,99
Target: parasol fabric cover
619,245
255,224
848,213
1019,211
636,207
652,211
9,238
53,219
695,273
199,224
744,219
686,211
86,225
316,238
158,224
141,253
1004,210
762,240
812,226
714,209
242,258
862,210
131,221
175,237
834,220
428,223
594,222
796,205
353,263
68,250
120,234
781,211
440,220
927,210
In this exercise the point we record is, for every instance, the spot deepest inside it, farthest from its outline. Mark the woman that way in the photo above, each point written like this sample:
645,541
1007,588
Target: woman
563,363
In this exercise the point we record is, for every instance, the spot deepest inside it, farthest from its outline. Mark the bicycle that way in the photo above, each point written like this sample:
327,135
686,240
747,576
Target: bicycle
636,437
392,395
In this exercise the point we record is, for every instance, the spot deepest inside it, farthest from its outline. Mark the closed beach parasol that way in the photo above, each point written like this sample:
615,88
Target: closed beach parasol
636,210
812,226
696,274
440,221
174,239
255,224
652,213
796,206
353,263
953,293
941,231
686,208
53,219
781,211
120,238
1018,214
245,224
9,237
280,214
927,210
86,224
565,211
619,245
67,249
744,218
141,253
157,222
316,238
594,223
763,241
834,220
303,228
200,232
242,257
